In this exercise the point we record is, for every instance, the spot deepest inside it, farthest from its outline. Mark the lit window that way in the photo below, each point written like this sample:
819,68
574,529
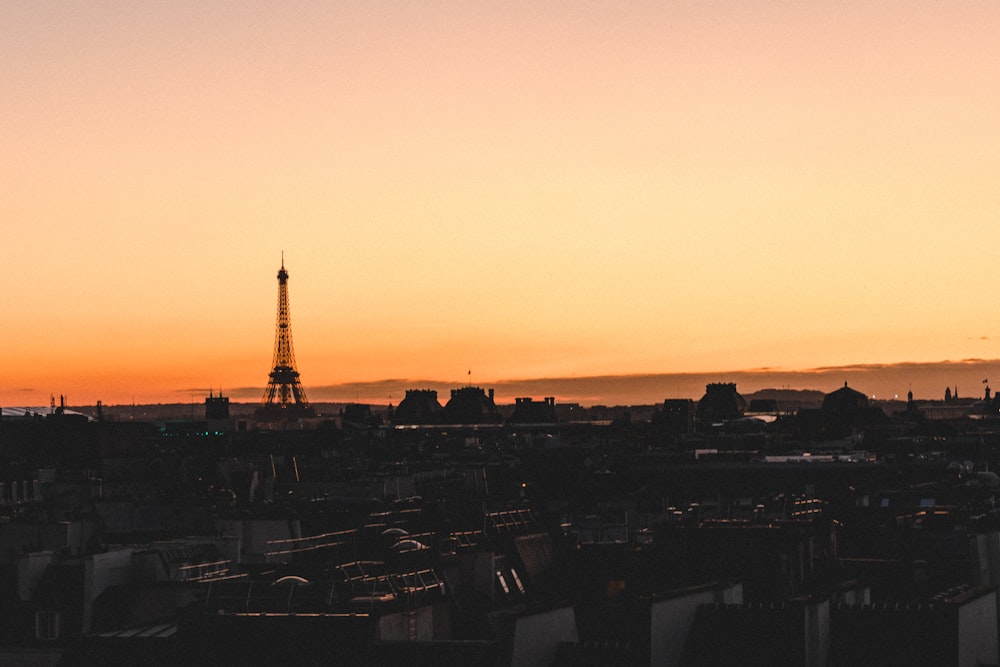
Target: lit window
517,581
503,583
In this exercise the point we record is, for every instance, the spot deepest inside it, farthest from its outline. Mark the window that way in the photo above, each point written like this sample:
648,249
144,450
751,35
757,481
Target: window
503,582
47,625
517,580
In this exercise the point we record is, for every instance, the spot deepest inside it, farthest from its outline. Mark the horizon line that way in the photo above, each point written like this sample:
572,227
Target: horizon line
596,389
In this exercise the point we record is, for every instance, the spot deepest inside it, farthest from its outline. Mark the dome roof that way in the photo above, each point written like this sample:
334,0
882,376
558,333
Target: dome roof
845,399
420,406
721,402
471,405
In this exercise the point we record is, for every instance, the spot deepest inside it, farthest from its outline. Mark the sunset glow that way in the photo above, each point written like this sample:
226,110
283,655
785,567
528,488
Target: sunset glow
520,190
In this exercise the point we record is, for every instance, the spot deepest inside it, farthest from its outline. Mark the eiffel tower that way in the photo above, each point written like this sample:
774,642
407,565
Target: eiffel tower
284,399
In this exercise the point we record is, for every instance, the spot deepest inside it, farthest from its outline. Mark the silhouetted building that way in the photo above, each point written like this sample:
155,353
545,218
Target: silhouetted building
720,403
843,412
844,402
677,416
419,406
471,405
528,411
216,407
988,406
357,415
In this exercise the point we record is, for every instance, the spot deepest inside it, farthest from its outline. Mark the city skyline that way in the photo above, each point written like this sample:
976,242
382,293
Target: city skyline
880,382
523,191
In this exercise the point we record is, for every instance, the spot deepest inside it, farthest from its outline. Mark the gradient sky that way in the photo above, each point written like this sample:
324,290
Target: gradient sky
521,189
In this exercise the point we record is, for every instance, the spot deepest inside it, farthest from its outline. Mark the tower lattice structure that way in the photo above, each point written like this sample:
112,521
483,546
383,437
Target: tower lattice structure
284,399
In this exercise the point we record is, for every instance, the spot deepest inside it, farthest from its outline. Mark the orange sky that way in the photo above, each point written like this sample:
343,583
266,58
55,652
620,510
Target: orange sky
524,189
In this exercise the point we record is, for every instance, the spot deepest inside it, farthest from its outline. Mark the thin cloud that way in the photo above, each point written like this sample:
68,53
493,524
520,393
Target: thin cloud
926,379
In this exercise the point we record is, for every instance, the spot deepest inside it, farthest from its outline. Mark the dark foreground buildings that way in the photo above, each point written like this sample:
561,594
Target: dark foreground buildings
727,531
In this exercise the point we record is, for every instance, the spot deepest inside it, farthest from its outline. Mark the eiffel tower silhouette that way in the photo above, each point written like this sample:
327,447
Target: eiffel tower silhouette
284,399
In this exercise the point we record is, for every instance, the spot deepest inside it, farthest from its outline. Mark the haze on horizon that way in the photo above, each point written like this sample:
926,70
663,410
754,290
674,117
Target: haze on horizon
881,382
527,190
